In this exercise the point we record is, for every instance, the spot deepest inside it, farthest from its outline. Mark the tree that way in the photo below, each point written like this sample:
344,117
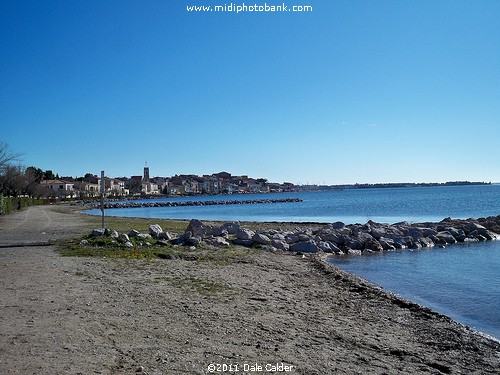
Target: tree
6,157
11,181
35,173
49,175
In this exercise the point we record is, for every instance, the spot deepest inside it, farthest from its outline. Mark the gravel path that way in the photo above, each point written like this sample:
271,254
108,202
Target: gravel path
62,315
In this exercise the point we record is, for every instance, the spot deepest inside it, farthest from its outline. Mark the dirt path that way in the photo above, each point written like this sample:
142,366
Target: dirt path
102,316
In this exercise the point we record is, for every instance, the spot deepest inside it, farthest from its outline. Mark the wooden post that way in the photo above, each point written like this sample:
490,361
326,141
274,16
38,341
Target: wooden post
103,187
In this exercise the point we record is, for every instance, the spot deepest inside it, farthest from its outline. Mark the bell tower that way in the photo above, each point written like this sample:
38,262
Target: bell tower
145,178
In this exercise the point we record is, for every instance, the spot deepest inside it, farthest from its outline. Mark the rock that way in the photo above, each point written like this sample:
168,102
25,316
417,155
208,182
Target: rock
445,238
378,232
217,241
84,243
245,234
325,247
365,238
333,236
354,252
278,237
129,244
114,234
387,243
459,234
165,236
373,245
292,238
426,242
400,243
472,226
261,239
220,232
280,245
197,228
334,248
304,247
155,230
337,225
144,236
99,232
231,228
240,242
134,233
163,243
193,241
416,233
123,238
304,237
353,243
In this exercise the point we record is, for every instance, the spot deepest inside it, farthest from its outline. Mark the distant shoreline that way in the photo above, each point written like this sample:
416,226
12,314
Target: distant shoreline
388,185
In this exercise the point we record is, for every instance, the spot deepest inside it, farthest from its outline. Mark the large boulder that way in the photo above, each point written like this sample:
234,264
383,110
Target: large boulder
459,234
144,236
155,230
353,243
280,245
304,247
98,232
198,229
426,242
387,243
373,245
292,238
133,233
337,225
333,236
165,236
245,234
261,239
123,238
220,232
445,238
231,227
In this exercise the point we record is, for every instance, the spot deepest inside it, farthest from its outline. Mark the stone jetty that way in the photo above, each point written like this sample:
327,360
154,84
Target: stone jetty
337,238
195,203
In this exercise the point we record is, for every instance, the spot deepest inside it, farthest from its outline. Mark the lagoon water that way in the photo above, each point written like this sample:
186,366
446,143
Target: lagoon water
461,281
387,205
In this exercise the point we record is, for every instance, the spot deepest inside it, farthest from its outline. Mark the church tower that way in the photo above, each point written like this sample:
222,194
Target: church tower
145,178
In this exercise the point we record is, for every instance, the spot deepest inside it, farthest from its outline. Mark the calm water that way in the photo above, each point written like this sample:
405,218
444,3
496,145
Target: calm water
349,206
461,281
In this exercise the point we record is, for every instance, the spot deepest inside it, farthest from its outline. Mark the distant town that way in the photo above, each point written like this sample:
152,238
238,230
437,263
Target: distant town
89,186
144,185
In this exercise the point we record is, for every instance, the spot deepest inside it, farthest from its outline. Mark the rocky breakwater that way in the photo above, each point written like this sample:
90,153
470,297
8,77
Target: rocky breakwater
196,203
337,238
340,238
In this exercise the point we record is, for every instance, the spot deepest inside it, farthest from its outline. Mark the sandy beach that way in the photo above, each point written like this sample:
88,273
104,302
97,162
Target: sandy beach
263,313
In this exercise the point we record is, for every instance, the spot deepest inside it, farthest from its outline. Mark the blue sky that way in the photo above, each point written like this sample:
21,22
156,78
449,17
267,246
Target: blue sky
354,91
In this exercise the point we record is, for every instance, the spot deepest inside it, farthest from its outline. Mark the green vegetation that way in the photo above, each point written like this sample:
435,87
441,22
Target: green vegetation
125,224
10,204
109,248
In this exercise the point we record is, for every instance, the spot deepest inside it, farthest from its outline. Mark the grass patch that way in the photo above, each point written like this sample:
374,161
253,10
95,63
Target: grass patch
109,248
103,248
125,224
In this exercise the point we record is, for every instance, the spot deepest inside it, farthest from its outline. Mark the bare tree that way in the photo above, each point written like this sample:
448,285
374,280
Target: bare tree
7,156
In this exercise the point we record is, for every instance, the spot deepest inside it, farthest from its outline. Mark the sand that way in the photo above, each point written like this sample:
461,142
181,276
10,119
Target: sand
266,313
